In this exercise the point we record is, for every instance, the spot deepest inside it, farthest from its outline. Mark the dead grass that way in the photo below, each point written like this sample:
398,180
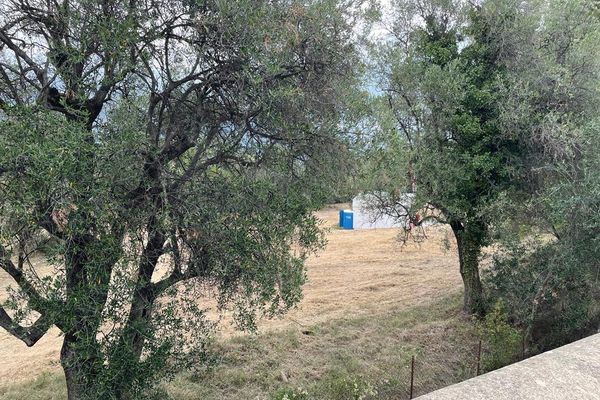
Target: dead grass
46,386
365,271
327,360
362,277
373,351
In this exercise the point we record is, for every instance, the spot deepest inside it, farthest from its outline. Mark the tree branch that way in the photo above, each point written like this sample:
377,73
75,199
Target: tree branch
39,73
28,335
7,265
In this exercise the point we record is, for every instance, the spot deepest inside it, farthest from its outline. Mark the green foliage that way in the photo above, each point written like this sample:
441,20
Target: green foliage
546,267
373,353
502,341
549,279
444,83
347,388
290,394
489,106
548,292
175,154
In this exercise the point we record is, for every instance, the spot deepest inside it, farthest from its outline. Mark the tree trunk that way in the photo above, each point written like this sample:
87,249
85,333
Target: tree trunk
469,237
73,374
83,369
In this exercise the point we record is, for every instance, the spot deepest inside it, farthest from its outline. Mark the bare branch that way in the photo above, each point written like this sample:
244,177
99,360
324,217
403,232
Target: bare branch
4,38
28,335
17,274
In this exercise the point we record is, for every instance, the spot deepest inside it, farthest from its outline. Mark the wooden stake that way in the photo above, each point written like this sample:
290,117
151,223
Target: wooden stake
412,375
478,358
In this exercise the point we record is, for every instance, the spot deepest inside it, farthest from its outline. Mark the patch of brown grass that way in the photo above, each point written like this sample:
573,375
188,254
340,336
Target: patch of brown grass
326,360
361,274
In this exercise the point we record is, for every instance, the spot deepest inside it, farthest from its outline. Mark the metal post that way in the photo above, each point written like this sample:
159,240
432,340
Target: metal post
478,358
412,375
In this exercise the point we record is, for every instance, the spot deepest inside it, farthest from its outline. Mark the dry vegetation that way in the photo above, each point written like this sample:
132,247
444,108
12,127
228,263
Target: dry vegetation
369,306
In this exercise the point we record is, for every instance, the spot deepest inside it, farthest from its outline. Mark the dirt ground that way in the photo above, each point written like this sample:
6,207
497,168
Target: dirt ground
360,272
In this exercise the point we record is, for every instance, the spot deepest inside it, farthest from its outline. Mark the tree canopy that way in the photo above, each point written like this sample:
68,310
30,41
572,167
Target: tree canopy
480,98
160,152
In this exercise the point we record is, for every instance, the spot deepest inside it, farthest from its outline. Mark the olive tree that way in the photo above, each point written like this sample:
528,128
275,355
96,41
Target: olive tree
161,153
442,74
547,268
486,104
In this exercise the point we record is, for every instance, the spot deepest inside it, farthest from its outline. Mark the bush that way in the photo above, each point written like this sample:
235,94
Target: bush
549,289
355,388
290,394
500,338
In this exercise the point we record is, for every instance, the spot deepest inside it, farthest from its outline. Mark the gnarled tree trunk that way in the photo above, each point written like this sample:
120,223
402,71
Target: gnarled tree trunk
469,240
73,374
81,367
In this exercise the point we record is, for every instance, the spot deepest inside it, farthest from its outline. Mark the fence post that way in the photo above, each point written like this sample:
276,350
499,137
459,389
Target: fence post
478,358
412,375
523,346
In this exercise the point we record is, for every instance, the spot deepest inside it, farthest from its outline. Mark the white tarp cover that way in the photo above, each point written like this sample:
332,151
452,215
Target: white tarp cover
367,218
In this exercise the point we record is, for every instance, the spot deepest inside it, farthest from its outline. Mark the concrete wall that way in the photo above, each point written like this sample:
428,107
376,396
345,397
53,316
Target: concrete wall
571,372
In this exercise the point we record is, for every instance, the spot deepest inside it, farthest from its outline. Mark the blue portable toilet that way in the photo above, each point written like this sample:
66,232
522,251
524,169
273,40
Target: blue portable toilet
341,217
348,219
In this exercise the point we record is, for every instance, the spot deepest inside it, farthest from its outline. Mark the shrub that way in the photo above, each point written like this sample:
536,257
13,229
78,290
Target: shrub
549,289
500,338
355,388
290,394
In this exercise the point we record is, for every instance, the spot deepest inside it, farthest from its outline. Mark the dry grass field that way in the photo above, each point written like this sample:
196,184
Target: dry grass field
366,271
363,277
